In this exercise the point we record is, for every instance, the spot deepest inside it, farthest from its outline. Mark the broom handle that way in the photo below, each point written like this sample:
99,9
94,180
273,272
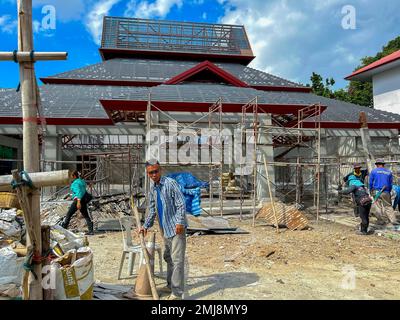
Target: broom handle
145,252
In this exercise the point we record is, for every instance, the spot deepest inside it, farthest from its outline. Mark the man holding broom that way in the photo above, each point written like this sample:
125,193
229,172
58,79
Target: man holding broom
168,203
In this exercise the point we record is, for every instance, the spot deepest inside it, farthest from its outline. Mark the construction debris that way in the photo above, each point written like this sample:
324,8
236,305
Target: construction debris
104,211
211,225
287,216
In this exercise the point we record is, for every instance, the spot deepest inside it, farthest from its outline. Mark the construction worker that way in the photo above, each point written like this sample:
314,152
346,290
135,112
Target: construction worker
168,202
359,174
81,198
363,201
380,185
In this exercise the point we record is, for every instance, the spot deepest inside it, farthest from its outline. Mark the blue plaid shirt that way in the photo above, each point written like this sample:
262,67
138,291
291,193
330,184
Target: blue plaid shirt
173,203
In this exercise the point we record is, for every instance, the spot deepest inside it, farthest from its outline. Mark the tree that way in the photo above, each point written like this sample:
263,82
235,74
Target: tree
356,92
321,89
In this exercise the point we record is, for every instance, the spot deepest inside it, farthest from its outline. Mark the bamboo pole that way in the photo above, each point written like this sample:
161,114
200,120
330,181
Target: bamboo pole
48,294
37,56
40,179
145,252
270,195
29,101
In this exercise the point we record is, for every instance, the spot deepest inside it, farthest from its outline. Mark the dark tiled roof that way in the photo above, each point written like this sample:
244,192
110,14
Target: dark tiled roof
150,70
340,111
82,101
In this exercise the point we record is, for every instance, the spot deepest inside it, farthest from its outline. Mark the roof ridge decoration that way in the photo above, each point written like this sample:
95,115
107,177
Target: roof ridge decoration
207,65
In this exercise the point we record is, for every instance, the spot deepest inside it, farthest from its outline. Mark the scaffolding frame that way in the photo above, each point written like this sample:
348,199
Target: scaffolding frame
294,126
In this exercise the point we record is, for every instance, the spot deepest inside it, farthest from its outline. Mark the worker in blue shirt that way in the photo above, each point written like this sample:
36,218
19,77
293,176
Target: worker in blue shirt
381,179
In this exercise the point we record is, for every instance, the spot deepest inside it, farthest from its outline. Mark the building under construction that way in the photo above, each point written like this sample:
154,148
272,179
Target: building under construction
98,118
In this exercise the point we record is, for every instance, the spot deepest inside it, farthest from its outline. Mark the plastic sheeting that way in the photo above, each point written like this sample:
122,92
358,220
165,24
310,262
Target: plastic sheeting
191,189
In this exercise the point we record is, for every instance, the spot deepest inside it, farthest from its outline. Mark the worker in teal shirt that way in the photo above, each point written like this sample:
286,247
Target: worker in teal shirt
80,198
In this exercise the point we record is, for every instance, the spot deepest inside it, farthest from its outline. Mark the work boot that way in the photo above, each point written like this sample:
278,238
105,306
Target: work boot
166,290
174,297
362,233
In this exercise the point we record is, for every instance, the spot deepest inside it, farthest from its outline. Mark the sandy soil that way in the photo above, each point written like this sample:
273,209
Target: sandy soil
310,264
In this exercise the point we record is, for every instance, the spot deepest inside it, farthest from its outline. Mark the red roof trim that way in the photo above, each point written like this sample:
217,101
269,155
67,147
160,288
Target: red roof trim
133,83
385,60
61,121
100,82
207,65
140,106
110,53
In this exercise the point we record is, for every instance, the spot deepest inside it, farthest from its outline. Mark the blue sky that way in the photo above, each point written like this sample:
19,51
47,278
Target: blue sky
291,38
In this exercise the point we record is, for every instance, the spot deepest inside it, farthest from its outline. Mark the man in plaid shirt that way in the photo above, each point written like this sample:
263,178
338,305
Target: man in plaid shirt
168,202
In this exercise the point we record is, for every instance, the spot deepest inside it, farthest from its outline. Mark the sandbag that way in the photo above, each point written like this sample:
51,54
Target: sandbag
74,281
11,270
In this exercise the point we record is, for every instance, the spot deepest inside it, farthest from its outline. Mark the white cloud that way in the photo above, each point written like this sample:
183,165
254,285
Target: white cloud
7,24
145,9
294,38
94,20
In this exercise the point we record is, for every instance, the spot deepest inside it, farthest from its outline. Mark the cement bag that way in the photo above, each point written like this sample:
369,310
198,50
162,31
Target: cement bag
74,281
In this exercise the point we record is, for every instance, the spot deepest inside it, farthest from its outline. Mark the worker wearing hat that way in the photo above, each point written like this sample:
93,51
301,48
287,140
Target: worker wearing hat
362,199
381,182
359,174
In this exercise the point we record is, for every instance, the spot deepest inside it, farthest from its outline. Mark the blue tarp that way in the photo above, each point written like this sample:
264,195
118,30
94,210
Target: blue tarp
191,189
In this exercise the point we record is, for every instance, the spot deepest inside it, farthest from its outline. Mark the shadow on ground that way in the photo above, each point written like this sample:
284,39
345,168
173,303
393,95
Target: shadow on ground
218,283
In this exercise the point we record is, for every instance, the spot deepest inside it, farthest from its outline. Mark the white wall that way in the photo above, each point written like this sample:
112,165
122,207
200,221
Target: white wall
387,90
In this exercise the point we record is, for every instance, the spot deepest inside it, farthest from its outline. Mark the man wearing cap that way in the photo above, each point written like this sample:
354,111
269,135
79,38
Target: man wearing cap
359,174
381,179
167,202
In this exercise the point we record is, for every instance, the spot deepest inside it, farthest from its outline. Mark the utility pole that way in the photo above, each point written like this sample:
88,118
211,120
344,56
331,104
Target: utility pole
26,57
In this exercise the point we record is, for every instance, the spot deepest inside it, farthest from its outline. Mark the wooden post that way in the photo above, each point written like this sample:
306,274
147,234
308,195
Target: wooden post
145,252
366,140
270,194
48,294
29,100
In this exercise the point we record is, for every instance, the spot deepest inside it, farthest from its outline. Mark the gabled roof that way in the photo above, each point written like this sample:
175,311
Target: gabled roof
207,66
150,72
386,63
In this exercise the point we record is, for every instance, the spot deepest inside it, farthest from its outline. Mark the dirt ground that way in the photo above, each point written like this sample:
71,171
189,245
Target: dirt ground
311,264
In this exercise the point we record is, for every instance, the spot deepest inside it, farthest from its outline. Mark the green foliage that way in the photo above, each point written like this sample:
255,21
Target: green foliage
356,92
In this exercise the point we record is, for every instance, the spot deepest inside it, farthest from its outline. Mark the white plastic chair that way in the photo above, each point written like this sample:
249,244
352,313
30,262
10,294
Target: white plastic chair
133,250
